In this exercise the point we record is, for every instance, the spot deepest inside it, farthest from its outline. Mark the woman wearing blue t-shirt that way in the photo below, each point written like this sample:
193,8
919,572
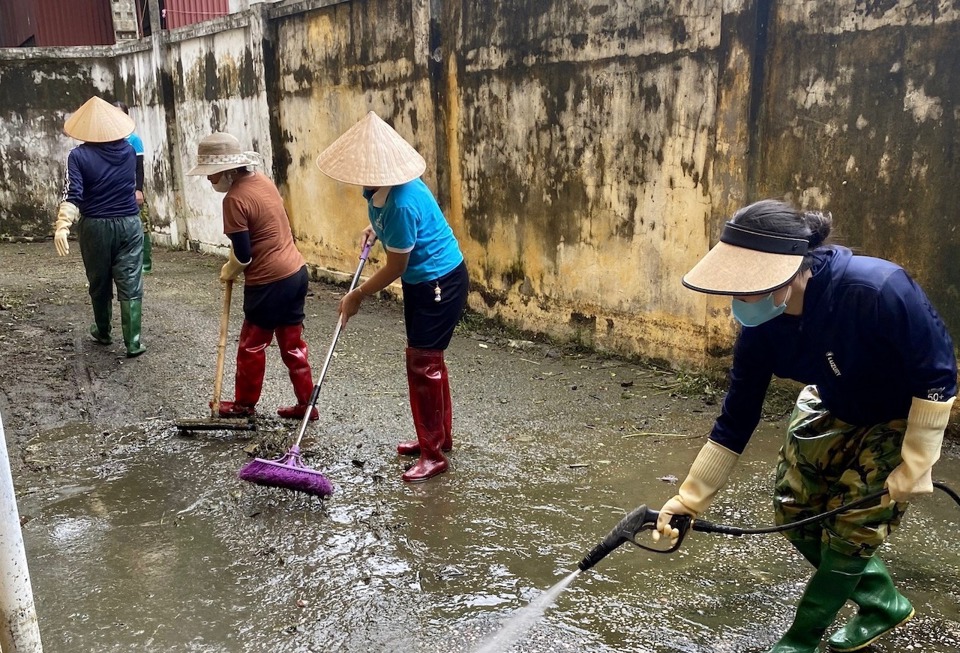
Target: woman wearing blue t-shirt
880,375
423,253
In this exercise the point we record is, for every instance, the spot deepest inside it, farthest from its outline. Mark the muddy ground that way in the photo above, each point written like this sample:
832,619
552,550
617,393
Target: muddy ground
140,537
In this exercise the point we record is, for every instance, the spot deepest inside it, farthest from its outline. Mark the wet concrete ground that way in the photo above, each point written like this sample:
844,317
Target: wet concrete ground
141,538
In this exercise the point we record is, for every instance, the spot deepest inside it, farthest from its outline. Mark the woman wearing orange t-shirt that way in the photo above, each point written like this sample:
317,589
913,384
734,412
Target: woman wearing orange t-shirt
275,274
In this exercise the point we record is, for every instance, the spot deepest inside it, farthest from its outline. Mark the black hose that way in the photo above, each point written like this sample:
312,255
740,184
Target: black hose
642,518
703,526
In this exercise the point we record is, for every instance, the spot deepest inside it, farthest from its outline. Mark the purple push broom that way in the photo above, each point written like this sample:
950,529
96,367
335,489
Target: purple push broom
289,471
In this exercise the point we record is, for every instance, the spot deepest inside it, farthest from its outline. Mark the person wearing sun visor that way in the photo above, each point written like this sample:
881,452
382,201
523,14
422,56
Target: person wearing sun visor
880,375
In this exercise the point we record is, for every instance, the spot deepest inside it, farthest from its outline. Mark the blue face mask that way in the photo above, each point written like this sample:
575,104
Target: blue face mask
751,314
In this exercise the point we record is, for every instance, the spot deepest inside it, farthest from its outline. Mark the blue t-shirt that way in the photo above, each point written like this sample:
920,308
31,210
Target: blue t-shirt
868,338
101,179
411,221
137,143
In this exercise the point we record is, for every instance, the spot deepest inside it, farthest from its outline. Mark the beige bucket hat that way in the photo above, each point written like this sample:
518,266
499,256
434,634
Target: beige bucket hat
371,153
221,151
747,262
98,121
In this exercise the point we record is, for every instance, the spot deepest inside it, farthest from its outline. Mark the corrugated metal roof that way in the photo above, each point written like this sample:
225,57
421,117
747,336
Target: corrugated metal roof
177,13
17,24
53,22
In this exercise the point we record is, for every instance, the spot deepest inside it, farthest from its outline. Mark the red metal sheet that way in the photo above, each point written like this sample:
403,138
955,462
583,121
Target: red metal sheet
17,24
177,13
79,22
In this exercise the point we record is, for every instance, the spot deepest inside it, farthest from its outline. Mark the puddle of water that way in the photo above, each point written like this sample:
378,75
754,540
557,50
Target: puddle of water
161,548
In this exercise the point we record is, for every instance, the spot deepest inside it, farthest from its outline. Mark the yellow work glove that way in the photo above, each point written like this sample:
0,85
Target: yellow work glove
707,475
921,448
66,216
232,268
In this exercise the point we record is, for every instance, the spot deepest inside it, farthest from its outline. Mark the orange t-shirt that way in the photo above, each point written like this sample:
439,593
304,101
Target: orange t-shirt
253,204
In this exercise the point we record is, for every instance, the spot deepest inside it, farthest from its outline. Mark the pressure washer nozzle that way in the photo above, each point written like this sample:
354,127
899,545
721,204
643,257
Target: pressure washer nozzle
624,531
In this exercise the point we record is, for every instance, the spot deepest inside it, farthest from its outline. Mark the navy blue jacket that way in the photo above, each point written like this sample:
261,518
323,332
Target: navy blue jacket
868,338
102,179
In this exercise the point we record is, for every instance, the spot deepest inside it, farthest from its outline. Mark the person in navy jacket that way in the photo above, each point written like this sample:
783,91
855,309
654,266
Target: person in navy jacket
881,376
100,195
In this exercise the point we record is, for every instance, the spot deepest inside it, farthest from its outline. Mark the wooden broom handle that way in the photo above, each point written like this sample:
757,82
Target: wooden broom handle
221,347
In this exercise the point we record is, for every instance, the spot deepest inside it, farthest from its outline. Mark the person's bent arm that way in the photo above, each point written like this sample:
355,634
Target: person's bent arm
395,265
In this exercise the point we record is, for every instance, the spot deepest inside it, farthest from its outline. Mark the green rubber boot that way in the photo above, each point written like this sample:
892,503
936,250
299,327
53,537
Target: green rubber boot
834,581
102,316
130,314
882,608
147,253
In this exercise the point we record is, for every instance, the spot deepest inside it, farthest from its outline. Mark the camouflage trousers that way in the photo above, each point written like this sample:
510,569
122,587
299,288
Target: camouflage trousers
825,463
145,218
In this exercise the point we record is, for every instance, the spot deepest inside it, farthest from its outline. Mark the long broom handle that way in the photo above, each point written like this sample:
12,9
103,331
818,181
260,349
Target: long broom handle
326,362
221,347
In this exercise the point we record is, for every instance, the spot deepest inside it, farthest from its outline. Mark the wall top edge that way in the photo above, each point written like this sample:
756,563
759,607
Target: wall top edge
285,9
210,27
75,51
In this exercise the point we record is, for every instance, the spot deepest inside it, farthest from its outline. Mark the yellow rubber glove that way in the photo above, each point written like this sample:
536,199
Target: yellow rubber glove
232,268
707,475
66,216
920,450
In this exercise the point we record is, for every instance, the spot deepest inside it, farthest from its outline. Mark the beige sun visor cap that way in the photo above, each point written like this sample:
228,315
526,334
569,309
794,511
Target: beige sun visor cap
747,262
372,154
98,121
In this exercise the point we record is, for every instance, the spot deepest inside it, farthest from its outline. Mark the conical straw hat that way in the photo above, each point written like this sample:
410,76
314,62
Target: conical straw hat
371,153
98,121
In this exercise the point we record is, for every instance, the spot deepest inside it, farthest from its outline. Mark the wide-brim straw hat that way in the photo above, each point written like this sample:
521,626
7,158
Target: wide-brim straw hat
98,121
747,262
221,151
373,154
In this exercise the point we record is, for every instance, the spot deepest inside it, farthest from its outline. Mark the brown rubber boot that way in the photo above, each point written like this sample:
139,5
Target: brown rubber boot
425,381
293,352
251,365
412,447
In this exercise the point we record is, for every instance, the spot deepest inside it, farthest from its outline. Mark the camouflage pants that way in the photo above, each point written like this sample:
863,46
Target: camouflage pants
145,218
825,463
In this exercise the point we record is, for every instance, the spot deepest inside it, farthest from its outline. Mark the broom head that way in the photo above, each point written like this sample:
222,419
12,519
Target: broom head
287,472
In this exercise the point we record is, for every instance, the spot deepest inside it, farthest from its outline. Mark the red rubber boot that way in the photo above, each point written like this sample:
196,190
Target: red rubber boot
293,352
412,447
251,364
425,380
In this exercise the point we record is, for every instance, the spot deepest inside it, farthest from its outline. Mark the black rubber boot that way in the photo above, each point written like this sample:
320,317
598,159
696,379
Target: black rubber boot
130,316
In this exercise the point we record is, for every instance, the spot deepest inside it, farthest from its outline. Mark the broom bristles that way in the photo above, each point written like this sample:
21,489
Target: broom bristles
287,472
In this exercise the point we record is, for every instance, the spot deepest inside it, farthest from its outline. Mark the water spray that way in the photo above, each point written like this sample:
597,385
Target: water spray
644,519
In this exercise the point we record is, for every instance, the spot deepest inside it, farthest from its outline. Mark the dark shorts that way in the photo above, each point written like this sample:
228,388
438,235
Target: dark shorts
279,303
430,323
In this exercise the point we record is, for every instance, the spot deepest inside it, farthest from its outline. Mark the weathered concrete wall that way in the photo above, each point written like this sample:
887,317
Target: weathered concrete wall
586,153
43,87
218,85
335,64
139,85
862,117
39,94
584,136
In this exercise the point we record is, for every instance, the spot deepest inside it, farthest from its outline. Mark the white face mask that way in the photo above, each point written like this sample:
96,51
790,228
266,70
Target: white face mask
223,184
